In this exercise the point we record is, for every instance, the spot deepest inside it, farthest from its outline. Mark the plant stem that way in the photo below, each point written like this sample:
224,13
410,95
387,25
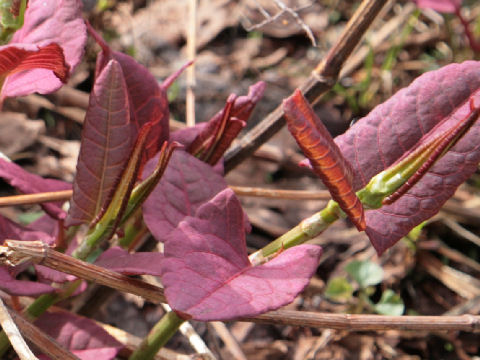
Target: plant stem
306,230
158,337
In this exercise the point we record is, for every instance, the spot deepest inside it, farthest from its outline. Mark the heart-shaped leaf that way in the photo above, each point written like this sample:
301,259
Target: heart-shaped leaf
186,184
81,336
29,183
47,22
324,155
106,146
207,274
394,127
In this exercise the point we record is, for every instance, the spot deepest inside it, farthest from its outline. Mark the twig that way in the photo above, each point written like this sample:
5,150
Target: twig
322,79
283,9
35,198
229,340
14,252
45,343
194,339
16,339
65,195
281,194
191,53
286,317
369,322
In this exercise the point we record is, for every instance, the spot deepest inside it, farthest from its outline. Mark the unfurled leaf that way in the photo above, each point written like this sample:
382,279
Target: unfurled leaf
11,230
28,183
119,260
324,156
365,273
48,22
443,6
207,274
106,146
214,138
390,304
81,336
396,126
186,184
148,100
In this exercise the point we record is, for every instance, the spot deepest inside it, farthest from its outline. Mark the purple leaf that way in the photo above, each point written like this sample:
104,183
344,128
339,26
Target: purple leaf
394,127
47,22
30,183
14,231
46,275
148,100
14,287
105,149
186,184
119,260
81,336
207,274
443,6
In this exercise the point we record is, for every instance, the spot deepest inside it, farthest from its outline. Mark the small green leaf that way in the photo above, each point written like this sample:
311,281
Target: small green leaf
338,288
365,273
390,304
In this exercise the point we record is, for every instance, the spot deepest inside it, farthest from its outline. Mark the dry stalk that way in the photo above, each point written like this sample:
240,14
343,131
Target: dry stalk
19,251
14,252
320,81
45,343
64,195
16,339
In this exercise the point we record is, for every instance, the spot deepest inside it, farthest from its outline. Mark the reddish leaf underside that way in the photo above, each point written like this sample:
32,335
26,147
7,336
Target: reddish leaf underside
14,59
216,136
394,127
47,22
324,155
207,275
106,146
81,336
28,183
186,184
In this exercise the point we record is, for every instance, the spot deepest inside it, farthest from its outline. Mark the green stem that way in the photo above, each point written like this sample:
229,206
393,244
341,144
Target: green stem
158,337
306,230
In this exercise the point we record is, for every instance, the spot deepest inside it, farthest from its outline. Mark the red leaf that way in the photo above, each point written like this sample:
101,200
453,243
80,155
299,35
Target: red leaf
47,22
105,148
81,336
186,184
14,59
394,127
30,183
324,155
207,275
119,260
214,139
